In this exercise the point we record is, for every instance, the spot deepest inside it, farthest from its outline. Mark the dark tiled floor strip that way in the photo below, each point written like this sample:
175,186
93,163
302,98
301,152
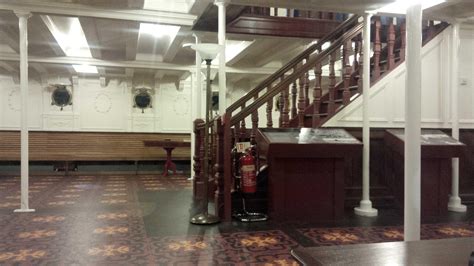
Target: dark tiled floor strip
143,220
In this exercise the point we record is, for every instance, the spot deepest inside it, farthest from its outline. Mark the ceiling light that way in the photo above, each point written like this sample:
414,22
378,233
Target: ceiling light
401,6
85,69
158,30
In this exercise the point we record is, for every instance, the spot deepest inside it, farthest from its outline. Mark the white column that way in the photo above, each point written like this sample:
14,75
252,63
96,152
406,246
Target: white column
196,97
413,124
365,207
454,203
23,24
221,5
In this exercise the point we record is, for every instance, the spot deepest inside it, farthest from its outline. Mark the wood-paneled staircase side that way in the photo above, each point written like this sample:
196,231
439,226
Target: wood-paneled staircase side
305,102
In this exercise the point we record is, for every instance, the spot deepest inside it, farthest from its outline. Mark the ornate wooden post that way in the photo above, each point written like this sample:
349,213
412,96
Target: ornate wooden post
286,108
403,37
199,193
301,101
219,168
355,63
280,108
270,111
198,157
347,71
254,123
243,129
332,84
377,48
317,92
391,45
306,88
294,91
361,68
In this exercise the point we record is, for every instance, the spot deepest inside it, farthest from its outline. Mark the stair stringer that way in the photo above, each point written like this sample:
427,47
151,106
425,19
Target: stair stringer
387,103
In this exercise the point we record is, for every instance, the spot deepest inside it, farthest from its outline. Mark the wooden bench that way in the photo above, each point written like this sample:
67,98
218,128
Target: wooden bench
90,146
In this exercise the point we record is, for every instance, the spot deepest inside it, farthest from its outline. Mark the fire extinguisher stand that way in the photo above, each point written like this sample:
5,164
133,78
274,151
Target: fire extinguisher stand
207,51
244,215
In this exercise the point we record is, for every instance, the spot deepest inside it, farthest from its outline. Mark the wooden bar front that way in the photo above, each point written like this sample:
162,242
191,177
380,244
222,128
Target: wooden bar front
306,171
437,150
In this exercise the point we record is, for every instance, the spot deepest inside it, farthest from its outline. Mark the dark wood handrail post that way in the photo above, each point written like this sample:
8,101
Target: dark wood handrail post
197,157
286,107
219,168
227,168
377,48
347,72
332,84
317,93
254,118
391,45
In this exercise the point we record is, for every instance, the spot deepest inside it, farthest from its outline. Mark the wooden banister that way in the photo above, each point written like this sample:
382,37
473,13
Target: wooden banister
290,65
287,81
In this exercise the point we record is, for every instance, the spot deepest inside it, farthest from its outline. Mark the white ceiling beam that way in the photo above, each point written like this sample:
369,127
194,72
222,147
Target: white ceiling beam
132,64
8,67
55,8
92,36
131,40
10,39
174,47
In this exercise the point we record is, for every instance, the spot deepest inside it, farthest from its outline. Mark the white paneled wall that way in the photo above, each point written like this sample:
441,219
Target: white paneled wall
97,108
387,97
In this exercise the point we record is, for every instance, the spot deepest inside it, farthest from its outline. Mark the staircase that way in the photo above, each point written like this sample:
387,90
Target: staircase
307,92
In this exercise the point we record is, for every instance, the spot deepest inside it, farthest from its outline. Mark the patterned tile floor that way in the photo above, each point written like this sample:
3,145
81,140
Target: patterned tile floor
143,220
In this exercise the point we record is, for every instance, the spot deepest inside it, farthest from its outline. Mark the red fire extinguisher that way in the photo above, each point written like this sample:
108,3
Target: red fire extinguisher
248,179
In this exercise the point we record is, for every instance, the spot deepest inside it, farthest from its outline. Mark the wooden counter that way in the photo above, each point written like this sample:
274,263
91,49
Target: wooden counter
437,150
306,171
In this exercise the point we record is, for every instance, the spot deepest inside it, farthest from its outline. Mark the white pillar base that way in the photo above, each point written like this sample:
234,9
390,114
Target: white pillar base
365,209
190,178
455,205
24,210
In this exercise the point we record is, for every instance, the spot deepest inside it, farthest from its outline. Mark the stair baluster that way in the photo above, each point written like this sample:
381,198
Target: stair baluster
301,100
347,71
294,91
243,129
317,93
391,45
219,167
355,63
377,49
269,112
403,33
286,107
253,133
306,88
360,70
332,84
280,109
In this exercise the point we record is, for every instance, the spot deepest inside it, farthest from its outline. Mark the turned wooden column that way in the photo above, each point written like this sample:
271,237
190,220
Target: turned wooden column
332,84
317,93
254,123
347,71
301,101
286,108
377,48
391,45
270,111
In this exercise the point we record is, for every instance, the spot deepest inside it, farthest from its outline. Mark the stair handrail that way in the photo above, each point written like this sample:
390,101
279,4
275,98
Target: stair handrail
290,65
246,111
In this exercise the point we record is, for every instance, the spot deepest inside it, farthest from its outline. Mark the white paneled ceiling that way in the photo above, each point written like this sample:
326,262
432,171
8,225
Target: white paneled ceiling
144,39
